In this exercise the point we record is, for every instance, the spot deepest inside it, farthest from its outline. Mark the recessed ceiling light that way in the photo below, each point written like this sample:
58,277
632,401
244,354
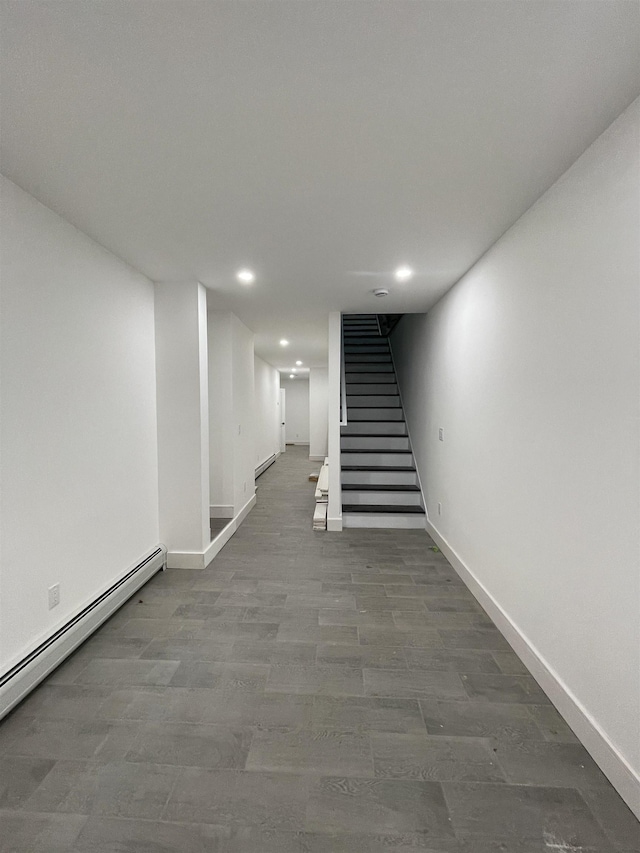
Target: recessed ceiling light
291,376
245,276
298,363
284,342
403,274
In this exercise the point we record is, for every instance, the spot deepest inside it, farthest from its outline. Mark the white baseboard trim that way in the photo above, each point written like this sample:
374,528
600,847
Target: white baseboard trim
299,444
201,559
52,649
606,755
334,524
266,463
318,458
220,511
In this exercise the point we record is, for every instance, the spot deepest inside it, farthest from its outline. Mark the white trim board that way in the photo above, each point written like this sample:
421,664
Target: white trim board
201,559
612,763
266,463
317,458
220,511
50,650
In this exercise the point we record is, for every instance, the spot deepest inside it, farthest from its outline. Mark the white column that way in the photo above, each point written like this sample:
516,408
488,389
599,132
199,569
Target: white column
318,412
183,421
334,509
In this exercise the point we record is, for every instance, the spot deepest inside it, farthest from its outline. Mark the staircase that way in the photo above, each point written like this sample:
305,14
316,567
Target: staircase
379,480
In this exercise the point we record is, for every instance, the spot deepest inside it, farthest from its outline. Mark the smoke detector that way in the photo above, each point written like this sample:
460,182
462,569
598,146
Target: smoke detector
381,291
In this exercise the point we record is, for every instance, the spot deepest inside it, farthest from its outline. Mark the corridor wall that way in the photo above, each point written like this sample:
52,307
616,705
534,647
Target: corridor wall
530,366
267,411
78,412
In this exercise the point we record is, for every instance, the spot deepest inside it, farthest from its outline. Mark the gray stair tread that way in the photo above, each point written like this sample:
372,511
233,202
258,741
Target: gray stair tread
404,468
375,434
379,487
373,450
383,508
372,394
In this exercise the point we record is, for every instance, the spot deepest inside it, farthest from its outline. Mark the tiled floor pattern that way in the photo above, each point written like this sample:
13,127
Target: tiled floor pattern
308,693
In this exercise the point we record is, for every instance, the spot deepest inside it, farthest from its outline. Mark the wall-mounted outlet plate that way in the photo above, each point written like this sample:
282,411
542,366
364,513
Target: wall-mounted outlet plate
54,596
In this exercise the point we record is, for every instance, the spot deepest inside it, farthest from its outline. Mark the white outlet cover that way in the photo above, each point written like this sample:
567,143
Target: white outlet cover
54,596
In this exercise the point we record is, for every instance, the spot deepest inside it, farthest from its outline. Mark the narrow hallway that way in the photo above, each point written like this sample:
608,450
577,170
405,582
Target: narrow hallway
307,693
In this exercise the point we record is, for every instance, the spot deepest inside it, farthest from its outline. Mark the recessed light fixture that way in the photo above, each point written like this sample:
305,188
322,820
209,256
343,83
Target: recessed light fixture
284,342
245,276
298,363
403,273
291,376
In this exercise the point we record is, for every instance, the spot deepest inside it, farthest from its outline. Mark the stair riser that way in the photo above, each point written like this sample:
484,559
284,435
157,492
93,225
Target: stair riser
380,427
370,349
370,401
396,460
379,478
382,521
356,414
357,339
388,498
354,442
365,377
377,368
372,388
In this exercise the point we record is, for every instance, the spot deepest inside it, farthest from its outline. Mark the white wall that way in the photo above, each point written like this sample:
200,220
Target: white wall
318,411
297,410
231,412
244,413
220,410
183,418
267,410
530,364
79,502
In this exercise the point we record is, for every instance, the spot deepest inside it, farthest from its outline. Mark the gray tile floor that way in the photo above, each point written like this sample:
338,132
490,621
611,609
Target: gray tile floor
307,693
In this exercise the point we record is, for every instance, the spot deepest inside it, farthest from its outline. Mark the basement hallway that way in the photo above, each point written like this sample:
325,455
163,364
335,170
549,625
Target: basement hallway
307,693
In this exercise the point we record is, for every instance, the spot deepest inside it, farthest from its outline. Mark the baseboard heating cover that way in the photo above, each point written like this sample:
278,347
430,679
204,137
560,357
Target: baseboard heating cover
262,467
27,673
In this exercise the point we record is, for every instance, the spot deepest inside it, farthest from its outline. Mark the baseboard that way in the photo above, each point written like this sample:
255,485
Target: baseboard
318,458
298,444
612,763
266,463
25,674
201,559
220,511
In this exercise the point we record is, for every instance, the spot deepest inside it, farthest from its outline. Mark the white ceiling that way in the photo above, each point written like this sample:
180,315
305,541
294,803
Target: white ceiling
309,141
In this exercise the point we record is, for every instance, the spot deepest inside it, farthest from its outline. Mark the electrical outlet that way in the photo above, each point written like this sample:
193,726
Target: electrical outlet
439,508
54,596
441,434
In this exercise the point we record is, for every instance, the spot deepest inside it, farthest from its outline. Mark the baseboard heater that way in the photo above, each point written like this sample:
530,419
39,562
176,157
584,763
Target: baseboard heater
21,679
264,465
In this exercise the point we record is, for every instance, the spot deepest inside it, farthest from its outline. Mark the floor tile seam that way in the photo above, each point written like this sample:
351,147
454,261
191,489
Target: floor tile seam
605,829
163,810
